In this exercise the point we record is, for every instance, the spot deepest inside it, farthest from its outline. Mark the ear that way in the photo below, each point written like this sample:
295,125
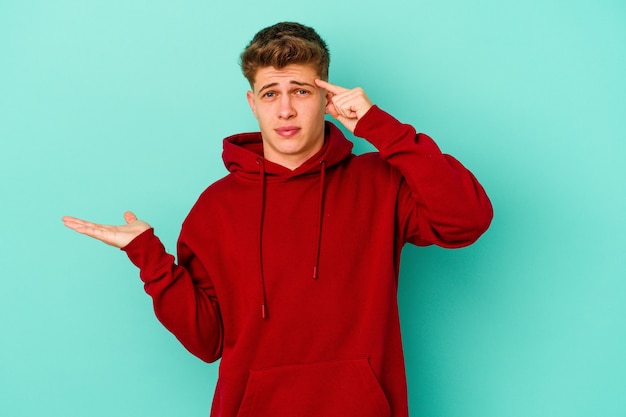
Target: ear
250,97
329,102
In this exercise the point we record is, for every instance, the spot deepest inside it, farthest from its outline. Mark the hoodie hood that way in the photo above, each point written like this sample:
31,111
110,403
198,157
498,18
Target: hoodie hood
243,156
242,152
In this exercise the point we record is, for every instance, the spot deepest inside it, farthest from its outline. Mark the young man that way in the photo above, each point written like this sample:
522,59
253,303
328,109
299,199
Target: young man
288,266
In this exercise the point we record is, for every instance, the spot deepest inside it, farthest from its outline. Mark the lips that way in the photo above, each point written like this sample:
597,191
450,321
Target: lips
287,131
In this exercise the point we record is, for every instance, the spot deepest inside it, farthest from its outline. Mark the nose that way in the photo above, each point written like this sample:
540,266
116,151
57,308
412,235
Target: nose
286,109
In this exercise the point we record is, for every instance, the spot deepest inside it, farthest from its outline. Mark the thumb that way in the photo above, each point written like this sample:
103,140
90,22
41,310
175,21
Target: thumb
331,109
130,217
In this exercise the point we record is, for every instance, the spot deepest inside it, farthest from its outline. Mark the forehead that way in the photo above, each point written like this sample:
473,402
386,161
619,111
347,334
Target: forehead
292,72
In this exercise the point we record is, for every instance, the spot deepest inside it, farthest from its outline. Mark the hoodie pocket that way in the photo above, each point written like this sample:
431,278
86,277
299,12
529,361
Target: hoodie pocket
346,388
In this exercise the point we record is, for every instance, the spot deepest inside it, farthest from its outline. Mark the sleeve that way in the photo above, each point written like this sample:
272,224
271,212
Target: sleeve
440,201
183,297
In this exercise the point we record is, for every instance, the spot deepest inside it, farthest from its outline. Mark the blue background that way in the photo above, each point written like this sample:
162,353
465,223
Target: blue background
113,105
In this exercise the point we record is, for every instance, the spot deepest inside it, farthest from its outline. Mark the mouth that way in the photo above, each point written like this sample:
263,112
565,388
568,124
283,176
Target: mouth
287,131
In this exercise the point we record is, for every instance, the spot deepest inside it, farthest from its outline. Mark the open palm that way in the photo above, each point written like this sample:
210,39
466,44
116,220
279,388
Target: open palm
118,236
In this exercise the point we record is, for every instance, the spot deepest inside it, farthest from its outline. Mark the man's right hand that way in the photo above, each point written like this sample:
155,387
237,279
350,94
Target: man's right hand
118,236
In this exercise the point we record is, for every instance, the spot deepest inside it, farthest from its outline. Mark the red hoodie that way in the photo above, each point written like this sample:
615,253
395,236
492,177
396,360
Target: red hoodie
290,277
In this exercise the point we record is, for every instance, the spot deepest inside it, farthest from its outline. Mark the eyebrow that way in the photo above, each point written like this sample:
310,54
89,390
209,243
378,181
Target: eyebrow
294,82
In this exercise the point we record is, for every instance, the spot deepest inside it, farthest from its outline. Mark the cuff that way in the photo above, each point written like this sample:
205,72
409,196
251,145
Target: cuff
145,250
379,127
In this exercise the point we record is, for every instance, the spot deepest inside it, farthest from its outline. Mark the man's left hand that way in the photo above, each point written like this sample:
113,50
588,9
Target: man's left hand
345,105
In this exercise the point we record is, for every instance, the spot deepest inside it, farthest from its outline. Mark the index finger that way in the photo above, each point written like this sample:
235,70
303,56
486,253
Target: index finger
335,89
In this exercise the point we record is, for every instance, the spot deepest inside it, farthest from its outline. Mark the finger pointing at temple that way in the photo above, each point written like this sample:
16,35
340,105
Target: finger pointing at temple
346,105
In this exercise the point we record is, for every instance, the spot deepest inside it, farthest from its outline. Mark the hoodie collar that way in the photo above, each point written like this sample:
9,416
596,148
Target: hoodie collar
242,151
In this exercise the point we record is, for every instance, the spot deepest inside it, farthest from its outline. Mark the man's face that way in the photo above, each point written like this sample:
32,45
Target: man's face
290,110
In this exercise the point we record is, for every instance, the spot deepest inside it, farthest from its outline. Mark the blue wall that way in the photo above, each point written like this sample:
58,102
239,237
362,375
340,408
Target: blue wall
113,105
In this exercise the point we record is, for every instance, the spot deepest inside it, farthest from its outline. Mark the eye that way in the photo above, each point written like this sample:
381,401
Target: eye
302,92
269,94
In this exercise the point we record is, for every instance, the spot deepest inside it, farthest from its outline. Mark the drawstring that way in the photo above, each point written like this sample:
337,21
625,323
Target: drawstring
262,213
318,243
320,219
